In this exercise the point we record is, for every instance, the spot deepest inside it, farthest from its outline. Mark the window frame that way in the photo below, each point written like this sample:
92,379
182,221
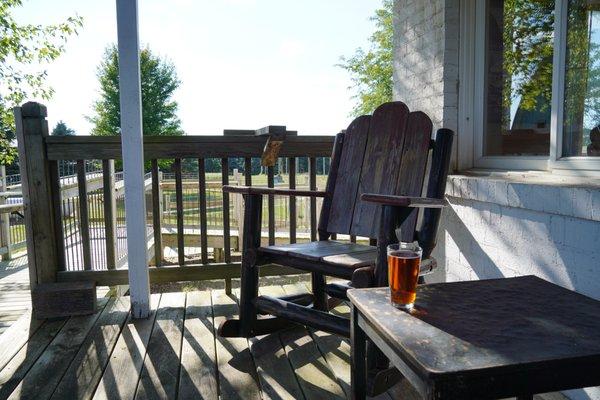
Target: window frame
472,94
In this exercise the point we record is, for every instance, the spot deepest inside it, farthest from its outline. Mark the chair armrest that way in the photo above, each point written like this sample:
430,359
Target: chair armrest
273,191
403,201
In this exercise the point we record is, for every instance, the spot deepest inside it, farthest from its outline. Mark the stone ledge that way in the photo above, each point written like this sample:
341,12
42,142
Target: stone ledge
543,192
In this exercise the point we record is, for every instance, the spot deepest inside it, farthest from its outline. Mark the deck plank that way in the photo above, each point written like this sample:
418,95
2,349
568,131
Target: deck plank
15,298
16,336
336,351
86,369
237,372
120,376
198,373
159,376
43,377
314,374
18,366
277,377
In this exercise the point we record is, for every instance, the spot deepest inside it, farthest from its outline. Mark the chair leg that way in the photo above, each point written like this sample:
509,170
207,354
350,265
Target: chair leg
319,293
244,326
248,292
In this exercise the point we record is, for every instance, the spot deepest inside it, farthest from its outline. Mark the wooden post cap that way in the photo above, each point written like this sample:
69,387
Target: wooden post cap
32,109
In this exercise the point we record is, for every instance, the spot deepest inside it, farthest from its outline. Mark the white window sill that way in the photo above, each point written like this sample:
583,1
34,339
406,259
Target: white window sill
572,196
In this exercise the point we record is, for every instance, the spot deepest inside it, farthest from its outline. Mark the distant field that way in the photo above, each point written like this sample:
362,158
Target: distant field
301,179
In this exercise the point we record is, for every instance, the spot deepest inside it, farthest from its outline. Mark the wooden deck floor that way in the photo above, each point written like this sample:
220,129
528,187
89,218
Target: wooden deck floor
15,299
173,354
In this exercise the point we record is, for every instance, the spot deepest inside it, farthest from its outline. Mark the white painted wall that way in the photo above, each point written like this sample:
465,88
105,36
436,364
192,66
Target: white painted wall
495,226
426,58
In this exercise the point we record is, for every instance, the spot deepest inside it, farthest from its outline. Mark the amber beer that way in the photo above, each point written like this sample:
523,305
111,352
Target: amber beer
404,261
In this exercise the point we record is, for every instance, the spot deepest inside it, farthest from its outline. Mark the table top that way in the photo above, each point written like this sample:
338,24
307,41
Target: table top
488,325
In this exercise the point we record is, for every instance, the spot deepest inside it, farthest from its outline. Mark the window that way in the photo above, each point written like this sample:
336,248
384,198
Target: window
530,81
581,122
518,77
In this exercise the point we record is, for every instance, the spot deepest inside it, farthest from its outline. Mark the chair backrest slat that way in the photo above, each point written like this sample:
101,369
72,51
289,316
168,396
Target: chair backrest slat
413,165
380,165
348,175
385,153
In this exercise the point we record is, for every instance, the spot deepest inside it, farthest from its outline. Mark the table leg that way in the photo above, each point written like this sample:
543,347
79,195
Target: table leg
358,358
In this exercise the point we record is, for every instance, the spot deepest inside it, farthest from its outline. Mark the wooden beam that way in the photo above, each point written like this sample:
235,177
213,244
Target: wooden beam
133,155
106,147
173,274
32,129
10,208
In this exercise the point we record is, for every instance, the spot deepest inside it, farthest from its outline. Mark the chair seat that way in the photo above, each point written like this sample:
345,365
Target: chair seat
351,255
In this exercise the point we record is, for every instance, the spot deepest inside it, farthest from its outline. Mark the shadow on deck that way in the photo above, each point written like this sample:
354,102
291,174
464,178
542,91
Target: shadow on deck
173,354
15,298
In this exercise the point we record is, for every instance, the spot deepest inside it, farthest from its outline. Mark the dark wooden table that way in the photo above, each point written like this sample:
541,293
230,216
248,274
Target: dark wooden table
483,339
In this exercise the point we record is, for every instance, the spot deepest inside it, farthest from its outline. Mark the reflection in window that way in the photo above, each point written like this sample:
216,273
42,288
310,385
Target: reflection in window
582,80
518,77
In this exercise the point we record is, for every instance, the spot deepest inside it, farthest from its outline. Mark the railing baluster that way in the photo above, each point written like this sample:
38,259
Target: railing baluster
74,230
248,171
96,255
203,214
312,168
226,233
5,231
67,235
84,215
58,215
157,214
110,221
99,224
179,201
77,232
292,178
271,205
226,224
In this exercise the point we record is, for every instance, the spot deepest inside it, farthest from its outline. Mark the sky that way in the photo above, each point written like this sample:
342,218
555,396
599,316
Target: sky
243,64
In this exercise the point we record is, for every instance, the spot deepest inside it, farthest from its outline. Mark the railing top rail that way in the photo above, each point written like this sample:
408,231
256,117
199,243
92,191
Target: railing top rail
217,146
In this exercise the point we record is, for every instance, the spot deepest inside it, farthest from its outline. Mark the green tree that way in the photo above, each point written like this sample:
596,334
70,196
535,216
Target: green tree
159,82
372,70
528,41
61,129
24,50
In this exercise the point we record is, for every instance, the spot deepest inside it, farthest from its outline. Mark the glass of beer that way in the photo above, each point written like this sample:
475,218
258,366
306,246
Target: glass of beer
404,262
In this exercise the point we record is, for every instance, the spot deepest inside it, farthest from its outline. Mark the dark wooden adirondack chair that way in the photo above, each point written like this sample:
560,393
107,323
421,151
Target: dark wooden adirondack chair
378,168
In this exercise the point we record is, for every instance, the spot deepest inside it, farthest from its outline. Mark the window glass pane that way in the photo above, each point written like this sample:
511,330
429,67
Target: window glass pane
582,80
518,77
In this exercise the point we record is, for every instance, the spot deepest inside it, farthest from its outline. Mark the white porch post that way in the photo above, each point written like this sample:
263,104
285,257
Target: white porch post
133,155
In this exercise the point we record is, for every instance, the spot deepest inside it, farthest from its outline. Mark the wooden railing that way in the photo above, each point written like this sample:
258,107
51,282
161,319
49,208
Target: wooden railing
45,213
